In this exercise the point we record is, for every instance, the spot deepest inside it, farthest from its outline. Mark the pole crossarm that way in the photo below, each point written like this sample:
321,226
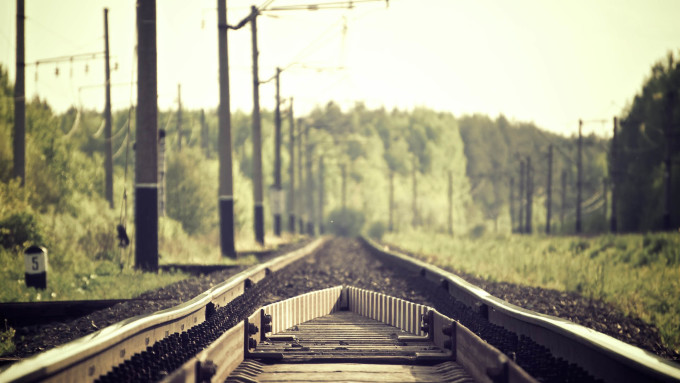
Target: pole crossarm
320,6
76,57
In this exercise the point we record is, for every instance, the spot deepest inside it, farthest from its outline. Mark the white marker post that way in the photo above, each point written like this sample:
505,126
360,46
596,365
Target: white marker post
35,260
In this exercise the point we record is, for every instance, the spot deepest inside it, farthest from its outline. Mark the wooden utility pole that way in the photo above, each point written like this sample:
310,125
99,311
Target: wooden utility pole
226,194
161,172
614,177
179,117
19,141
530,192
344,186
415,194
563,205
321,195
310,185
301,182
450,203
670,98
605,192
146,154
579,177
521,197
257,136
291,170
512,204
108,150
548,203
204,135
391,202
277,158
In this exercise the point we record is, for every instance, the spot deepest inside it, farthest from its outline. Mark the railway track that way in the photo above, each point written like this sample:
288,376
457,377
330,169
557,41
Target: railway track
224,332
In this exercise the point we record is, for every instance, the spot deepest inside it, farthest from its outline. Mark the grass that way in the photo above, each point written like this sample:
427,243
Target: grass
7,340
638,273
90,278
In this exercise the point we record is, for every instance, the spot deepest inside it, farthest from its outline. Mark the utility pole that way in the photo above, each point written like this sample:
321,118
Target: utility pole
450,203
226,194
344,186
291,170
391,202
204,135
530,192
146,154
108,150
310,185
579,177
301,183
257,136
277,157
19,141
563,205
614,176
321,195
161,172
415,194
512,204
179,117
605,191
671,97
548,204
521,197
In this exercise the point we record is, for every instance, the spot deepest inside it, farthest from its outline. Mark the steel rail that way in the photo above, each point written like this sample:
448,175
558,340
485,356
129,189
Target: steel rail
482,361
87,358
601,355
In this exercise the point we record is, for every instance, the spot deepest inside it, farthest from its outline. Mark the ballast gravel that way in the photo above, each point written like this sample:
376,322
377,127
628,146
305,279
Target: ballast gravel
347,261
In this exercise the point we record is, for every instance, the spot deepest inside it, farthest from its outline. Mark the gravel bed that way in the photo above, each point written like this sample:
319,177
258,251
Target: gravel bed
33,339
341,261
591,313
346,261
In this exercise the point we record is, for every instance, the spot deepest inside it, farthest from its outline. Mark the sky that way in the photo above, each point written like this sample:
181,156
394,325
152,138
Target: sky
547,62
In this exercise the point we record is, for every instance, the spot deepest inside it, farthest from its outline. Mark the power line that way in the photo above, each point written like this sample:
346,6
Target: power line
328,5
75,57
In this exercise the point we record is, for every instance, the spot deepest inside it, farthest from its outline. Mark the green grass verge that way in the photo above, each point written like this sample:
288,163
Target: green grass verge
638,273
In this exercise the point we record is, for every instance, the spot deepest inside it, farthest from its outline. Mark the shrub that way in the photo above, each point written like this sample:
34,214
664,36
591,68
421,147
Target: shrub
376,230
7,340
346,223
18,229
478,231
190,192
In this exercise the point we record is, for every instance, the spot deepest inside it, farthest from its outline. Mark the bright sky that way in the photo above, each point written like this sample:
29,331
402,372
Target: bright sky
548,62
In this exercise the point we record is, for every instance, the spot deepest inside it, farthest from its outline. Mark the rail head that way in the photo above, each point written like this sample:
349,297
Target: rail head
621,357
124,338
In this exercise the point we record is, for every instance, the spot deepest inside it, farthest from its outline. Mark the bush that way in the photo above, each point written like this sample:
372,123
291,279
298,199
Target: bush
191,192
18,229
478,231
376,230
346,223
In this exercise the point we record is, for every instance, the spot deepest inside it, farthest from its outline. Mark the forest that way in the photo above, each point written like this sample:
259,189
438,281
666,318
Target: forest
392,169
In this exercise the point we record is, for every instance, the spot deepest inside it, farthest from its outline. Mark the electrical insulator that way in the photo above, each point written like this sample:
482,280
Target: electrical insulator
56,72
115,66
87,68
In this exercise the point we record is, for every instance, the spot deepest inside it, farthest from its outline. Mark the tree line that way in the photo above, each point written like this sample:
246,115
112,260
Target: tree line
398,168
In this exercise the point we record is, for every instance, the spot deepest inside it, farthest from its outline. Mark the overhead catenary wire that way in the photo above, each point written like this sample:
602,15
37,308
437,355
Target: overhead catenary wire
326,5
76,124
123,145
67,58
